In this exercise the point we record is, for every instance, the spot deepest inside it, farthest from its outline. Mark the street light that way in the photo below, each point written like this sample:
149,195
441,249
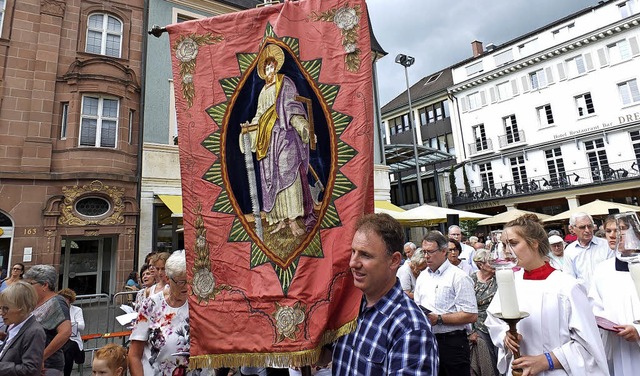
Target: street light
406,62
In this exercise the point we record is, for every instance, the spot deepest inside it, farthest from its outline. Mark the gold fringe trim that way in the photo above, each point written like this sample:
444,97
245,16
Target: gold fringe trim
283,359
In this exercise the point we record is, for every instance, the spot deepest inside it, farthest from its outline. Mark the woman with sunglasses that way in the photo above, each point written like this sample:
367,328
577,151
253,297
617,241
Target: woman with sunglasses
560,335
16,274
160,338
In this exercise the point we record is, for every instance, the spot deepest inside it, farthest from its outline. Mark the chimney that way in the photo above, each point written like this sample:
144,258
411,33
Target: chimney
476,47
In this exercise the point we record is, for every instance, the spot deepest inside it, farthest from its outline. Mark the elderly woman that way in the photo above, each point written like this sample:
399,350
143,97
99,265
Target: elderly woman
485,286
160,337
556,255
409,271
147,275
560,335
52,312
16,274
25,341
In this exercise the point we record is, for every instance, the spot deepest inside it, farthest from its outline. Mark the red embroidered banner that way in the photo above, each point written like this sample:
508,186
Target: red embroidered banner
275,135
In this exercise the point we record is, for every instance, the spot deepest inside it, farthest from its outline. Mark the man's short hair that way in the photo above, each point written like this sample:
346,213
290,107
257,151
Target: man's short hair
438,238
410,244
452,227
386,227
575,216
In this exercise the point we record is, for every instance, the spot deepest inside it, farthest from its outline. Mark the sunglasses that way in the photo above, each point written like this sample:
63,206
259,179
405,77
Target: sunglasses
179,283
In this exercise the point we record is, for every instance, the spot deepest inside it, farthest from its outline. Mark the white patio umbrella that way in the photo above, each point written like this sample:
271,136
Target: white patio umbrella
507,216
594,208
427,215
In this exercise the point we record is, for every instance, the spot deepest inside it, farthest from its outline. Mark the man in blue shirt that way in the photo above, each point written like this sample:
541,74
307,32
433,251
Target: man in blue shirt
393,336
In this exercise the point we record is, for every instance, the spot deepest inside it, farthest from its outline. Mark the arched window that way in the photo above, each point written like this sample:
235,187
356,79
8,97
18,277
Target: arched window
104,35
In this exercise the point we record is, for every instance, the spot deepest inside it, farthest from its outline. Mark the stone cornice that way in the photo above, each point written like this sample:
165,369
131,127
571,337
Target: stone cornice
555,51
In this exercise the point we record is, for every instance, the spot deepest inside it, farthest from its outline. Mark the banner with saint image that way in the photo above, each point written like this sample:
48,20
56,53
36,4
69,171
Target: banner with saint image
275,127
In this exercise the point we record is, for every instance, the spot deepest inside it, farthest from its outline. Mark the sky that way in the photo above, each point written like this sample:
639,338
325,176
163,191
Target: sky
438,33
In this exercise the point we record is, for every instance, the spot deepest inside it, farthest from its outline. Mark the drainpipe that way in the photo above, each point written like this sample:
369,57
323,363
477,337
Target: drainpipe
453,98
143,73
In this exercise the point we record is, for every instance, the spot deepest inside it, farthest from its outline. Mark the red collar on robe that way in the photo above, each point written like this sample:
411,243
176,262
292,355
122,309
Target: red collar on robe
540,273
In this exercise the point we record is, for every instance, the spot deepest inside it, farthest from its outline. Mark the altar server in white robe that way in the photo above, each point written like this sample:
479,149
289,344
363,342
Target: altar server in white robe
560,336
614,298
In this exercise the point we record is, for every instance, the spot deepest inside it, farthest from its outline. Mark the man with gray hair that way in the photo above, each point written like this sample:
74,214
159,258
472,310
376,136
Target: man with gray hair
582,256
409,249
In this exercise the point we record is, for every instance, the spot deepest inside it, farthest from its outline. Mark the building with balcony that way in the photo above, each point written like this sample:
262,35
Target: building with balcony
551,119
69,124
431,109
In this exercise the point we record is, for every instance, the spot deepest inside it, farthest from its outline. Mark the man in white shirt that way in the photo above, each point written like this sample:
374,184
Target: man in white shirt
447,293
582,256
467,253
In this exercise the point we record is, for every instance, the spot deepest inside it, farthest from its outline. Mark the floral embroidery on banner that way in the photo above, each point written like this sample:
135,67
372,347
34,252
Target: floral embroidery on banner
186,50
347,20
288,319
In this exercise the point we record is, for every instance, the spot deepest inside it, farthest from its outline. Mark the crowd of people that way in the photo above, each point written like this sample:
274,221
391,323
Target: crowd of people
433,309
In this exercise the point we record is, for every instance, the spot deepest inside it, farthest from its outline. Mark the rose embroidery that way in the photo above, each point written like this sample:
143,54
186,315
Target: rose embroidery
288,319
187,50
346,18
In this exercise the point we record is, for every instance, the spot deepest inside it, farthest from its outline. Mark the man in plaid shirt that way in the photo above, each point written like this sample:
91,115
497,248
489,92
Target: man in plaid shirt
393,336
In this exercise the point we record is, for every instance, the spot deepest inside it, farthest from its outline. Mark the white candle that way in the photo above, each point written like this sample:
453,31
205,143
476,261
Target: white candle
634,270
508,297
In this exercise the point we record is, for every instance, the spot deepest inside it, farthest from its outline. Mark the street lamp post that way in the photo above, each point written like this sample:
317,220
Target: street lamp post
406,62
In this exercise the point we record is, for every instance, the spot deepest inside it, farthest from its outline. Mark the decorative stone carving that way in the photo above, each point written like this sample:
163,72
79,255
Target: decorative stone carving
95,188
52,7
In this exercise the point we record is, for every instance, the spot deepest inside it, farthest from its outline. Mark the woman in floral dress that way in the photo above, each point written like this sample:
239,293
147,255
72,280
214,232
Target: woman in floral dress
160,338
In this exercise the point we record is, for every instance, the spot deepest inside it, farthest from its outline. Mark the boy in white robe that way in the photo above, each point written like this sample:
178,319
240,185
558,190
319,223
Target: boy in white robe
614,298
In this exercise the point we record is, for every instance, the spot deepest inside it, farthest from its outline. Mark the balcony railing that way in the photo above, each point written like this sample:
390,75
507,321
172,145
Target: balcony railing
546,183
480,146
511,139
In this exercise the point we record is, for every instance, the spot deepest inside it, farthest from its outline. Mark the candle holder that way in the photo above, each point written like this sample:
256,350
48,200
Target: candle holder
513,322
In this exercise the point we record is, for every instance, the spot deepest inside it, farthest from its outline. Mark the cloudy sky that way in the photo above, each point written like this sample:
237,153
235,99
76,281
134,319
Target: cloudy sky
438,33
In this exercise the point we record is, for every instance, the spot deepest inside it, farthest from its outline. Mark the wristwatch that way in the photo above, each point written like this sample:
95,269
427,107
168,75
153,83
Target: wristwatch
439,321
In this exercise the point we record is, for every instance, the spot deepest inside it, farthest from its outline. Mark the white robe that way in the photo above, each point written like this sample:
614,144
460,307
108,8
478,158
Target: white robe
614,297
560,321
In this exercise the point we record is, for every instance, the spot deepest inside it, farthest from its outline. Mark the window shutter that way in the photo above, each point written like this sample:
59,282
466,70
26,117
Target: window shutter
549,75
633,41
589,61
561,74
464,102
492,94
483,98
514,87
602,56
525,83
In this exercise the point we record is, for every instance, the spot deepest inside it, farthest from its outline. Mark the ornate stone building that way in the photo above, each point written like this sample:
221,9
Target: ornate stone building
70,134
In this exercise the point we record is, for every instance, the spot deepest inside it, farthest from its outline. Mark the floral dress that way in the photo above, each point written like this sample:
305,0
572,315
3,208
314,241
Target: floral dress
166,332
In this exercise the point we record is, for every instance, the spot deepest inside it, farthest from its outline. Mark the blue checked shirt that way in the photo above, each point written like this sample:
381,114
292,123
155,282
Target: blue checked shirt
392,338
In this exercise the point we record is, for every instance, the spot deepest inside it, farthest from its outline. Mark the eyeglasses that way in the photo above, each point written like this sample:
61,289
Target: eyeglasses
4,309
35,283
584,227
180,283
431,252
20,269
